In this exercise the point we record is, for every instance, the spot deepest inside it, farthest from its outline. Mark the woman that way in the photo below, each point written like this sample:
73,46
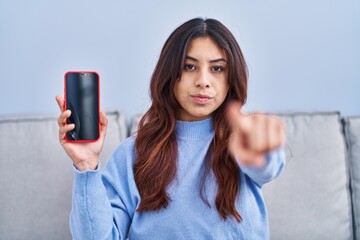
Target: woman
197,164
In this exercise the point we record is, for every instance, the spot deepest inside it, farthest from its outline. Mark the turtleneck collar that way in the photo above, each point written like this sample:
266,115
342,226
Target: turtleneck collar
196,130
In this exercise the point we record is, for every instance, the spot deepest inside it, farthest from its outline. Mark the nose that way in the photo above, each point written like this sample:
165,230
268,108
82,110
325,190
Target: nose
202,80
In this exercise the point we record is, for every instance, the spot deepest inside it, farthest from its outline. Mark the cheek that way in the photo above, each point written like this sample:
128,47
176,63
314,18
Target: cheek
178,90
181,86
223,90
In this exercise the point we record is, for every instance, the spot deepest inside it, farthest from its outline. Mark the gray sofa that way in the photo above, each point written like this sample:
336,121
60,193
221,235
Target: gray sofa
317,196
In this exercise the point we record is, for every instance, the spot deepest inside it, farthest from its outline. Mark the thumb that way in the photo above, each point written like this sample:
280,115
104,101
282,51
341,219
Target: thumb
60,101
237,119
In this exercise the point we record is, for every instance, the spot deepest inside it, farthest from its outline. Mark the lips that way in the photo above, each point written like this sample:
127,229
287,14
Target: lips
201,98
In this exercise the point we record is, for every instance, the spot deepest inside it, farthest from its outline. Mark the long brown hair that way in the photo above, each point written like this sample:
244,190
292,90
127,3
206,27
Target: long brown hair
156,143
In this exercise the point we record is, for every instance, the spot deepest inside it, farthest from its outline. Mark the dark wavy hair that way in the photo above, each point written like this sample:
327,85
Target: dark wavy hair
156,143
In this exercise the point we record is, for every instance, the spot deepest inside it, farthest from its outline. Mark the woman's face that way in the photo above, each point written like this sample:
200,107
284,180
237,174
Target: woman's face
203,84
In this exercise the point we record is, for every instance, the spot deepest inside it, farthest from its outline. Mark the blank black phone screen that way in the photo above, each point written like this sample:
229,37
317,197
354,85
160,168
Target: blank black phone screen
82,98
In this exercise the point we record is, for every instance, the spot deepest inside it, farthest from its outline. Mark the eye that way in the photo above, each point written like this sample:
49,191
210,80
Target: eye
217,68
189,67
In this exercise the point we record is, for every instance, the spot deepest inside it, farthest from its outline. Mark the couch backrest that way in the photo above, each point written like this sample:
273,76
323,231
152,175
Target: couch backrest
36,176
311,199
352,130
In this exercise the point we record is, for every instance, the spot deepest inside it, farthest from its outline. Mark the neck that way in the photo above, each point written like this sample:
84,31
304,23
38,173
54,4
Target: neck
195,130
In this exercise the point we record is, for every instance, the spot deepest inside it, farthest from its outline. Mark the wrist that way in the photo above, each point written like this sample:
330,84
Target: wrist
86,166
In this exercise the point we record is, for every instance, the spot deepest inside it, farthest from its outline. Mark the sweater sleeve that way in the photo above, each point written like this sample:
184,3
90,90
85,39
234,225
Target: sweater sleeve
103,203
92,214
274,165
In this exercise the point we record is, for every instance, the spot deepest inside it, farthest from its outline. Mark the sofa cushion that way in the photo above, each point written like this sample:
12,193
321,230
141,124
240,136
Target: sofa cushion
352,131
36,176
311,200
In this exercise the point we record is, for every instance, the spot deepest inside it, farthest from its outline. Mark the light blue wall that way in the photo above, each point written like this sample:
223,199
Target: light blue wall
302,55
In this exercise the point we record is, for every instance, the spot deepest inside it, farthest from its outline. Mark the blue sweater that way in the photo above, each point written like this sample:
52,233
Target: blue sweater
104,204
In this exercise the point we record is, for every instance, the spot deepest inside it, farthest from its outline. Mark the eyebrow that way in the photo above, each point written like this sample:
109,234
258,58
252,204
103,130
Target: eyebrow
211,61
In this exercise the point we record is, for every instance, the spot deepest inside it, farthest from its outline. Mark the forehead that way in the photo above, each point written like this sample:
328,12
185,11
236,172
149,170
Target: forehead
204,48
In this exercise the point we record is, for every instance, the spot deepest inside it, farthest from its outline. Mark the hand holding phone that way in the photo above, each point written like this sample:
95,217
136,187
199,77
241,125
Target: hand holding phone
83,153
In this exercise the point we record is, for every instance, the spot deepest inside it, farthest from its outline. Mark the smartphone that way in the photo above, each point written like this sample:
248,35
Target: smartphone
82,97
